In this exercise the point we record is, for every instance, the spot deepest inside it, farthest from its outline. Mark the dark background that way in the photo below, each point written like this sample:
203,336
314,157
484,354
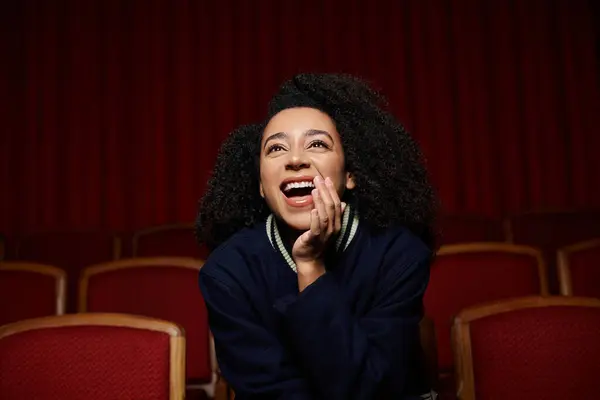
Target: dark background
113,110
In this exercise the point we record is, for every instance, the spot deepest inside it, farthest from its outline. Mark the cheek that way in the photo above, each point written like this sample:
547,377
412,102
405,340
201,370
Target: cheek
269,185
263,175
337,172
266,182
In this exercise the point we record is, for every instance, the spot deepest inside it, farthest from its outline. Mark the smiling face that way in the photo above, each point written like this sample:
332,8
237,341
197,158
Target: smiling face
297,145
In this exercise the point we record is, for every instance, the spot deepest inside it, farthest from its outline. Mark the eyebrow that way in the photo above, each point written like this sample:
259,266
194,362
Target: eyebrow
310,132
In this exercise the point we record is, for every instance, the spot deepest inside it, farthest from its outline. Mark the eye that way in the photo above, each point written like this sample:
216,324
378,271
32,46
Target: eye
318,143
275,147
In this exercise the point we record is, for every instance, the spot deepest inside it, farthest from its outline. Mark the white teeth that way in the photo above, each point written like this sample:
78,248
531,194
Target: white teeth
297,185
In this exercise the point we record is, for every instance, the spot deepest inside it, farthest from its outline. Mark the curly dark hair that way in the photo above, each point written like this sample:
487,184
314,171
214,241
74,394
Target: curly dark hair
392,184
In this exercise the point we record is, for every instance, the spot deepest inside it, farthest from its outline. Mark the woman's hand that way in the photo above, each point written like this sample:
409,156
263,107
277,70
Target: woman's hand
325,224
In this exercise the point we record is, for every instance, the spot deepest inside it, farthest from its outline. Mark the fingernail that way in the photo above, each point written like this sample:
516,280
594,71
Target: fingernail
315,192
343,206
318,179
328,181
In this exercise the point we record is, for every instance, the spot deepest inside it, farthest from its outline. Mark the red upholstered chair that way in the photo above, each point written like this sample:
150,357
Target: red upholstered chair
71,251
30,290
92,356
470,228
158,287
529,348
552,230
176,240
467,274
579,269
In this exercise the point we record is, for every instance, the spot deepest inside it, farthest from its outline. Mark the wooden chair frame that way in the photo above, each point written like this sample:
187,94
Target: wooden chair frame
58,274
136,262
482,247
177,337
117,244
144,262
159,228
461,335
563,265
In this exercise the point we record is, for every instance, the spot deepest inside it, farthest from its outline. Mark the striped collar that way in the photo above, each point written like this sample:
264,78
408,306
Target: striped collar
347,233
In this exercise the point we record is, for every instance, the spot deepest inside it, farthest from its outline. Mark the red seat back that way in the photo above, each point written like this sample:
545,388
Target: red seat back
465,275
71,251
529,348
30,290
550,231
167,241
100,357
579,269
160,287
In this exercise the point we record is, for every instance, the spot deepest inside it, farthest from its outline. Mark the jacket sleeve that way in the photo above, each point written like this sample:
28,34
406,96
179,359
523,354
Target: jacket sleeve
350,357
252,360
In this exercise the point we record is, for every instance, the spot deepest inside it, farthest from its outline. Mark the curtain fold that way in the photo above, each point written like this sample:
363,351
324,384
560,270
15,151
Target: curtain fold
115,109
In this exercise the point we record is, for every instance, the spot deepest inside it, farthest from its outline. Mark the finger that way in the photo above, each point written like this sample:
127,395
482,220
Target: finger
322,213
325,196
314,228
337,205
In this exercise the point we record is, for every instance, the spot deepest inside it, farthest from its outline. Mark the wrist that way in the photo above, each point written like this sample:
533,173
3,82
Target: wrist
308,266
308,272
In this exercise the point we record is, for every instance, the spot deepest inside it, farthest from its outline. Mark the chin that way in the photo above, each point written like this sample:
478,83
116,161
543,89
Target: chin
297,221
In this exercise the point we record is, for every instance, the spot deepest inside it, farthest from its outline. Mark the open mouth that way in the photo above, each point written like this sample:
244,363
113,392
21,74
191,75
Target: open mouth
297,189
298,192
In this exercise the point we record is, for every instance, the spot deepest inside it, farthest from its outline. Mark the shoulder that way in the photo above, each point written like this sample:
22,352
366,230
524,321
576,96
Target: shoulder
234,256
398,240
399,249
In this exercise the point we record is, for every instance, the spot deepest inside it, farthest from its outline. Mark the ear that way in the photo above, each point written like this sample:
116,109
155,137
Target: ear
350,184
262,192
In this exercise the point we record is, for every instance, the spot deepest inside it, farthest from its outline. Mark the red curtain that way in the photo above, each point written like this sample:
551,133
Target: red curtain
114,110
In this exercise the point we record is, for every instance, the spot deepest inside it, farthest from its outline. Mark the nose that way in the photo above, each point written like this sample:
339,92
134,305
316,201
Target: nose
297,162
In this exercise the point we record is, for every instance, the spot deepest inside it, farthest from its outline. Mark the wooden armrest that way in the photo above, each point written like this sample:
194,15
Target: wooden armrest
222,389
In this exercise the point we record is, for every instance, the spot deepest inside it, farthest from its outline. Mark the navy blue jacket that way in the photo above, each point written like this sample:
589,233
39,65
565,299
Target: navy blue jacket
352,334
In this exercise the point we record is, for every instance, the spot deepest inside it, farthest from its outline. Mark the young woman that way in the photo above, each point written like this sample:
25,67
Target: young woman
321,223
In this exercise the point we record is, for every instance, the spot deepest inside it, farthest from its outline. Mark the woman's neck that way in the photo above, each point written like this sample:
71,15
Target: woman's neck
288,235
